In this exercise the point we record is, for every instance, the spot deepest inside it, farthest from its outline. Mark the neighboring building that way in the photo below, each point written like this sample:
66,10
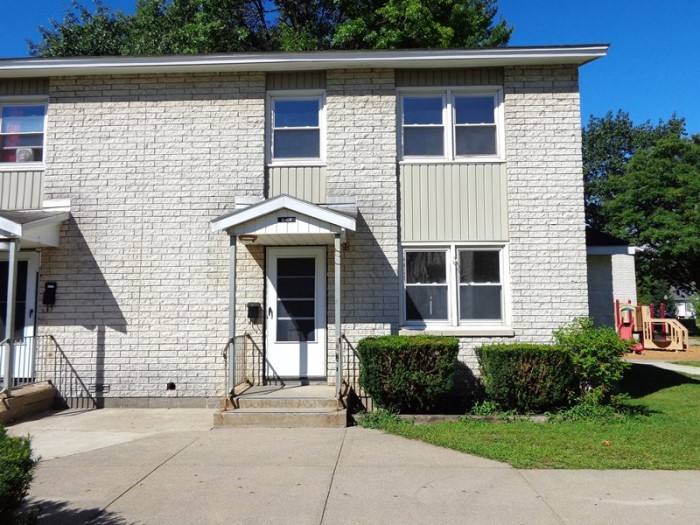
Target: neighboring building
166,201
611,275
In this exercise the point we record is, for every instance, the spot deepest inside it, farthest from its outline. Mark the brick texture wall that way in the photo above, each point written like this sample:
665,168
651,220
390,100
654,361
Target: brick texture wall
147,162
361,152
545,199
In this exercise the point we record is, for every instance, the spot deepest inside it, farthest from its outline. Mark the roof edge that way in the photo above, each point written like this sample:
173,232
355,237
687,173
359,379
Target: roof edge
285,61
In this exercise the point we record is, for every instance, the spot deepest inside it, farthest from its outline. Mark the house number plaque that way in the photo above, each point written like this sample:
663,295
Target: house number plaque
286,219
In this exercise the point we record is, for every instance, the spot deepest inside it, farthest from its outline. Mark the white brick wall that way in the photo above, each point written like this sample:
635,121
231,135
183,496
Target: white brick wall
147,162
624,279
361,116
545,199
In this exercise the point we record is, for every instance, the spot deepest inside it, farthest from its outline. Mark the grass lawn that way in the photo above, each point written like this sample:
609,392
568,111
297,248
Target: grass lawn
687,363
666,437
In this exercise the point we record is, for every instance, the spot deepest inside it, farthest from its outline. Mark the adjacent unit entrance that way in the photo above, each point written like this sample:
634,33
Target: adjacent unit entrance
24,313
296,312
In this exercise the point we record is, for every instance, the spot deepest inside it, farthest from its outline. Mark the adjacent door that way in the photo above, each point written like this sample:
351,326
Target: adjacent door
24,314
296,312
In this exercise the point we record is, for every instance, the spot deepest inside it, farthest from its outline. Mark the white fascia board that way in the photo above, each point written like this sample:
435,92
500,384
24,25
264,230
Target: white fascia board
319,60
10,228
609,250
283,202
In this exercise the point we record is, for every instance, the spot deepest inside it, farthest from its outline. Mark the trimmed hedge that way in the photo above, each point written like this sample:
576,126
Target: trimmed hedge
16,473
527,377
407,373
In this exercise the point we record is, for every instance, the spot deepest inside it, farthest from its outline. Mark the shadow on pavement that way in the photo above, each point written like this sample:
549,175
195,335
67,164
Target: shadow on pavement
59,513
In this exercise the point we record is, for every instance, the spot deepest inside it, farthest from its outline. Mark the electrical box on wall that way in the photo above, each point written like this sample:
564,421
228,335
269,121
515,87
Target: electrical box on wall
254,311
49,294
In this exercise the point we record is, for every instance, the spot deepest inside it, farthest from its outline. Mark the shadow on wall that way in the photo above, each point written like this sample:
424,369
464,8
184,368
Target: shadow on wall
367,298
85,299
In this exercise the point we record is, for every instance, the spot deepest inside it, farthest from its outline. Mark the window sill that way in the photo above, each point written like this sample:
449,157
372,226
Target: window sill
434,160
460,331
297,164
22,166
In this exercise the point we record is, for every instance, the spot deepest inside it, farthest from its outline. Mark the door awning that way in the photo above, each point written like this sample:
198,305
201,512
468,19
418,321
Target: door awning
286,220
34,229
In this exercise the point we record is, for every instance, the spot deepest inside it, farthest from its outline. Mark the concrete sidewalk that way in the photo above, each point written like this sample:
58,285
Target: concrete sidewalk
123,466
670,365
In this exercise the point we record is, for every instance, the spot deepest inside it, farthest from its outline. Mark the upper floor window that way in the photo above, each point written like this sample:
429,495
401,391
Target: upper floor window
22,132
296,128
451,125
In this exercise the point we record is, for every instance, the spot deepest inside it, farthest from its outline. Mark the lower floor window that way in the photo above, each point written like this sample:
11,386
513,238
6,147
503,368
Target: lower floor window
454,285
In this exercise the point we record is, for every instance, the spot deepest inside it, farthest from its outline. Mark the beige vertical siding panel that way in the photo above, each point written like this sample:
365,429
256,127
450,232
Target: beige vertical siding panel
296,80
304,182
454,202
21,190
449,77
18,87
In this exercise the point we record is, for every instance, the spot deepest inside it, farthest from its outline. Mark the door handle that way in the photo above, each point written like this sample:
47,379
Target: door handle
269,312
31,313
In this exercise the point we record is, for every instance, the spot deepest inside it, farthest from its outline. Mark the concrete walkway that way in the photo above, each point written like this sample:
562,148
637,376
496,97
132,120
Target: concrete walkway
123,466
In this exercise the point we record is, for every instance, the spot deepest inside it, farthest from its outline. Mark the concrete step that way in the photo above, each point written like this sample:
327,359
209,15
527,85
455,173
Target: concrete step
276,417
320,403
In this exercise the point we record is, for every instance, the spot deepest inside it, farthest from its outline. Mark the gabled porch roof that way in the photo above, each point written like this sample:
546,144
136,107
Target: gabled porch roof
33,228
287,220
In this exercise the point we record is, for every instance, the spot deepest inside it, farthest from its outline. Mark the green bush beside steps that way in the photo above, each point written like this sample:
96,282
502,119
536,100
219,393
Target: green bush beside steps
408,373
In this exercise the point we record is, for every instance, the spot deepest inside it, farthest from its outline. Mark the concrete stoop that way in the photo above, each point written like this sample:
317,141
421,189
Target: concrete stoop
283,408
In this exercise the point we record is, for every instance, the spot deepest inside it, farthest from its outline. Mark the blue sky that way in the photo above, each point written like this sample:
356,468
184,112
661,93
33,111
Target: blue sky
651,71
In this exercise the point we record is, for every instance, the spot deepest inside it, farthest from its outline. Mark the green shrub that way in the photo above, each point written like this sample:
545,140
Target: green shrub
16,473
407,373
526,377
596,353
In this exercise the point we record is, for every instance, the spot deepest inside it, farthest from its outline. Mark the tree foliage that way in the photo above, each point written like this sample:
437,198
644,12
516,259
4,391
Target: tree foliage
402,24
643,184
223,26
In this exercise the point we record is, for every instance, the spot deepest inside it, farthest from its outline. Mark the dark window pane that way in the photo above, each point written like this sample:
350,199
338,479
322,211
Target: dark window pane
479,267
479,302
22,119
294,330
20,297
296,267
474,110
295,287
425,267
422,110
479,140
289,308
423,141
22,141
296,113
298,143
426,302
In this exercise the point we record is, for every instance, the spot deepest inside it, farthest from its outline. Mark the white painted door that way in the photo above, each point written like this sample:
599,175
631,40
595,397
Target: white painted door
296,312
25,313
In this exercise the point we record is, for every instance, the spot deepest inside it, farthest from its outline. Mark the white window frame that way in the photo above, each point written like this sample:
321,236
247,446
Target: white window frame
272,96
453,286
26,101
449,121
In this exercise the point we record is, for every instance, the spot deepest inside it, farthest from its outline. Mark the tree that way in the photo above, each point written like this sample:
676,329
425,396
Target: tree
609,143
657,206
224,26
83,33
642,184
403,24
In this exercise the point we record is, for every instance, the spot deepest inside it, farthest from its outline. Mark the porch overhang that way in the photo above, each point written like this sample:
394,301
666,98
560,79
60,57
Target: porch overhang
33,228
286,220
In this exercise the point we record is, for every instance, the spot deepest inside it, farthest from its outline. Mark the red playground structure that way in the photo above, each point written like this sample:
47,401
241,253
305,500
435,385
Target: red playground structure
652,333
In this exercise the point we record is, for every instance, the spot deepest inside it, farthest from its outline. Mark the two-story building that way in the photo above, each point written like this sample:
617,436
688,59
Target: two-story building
158,207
